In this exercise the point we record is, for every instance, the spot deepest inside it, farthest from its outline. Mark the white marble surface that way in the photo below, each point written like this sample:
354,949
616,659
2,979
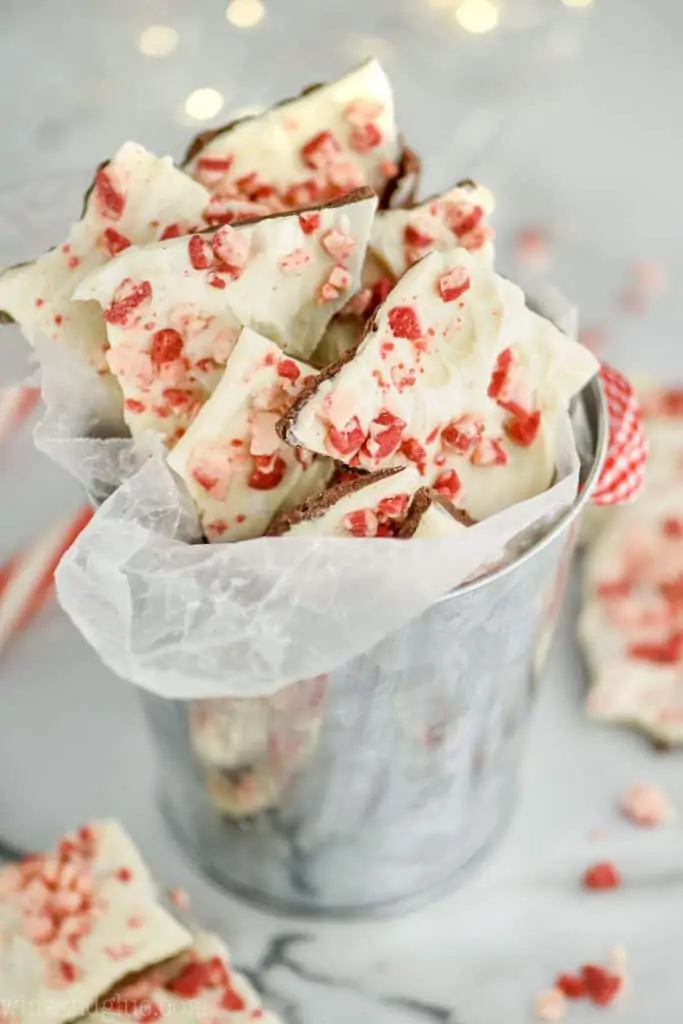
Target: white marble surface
572,121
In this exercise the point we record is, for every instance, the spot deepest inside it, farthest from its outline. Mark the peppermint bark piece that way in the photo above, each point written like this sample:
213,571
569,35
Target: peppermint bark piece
174,310
369,505
199,986
135,198
235,466
455,376
455,218
400,238
631,624
330,140
76,921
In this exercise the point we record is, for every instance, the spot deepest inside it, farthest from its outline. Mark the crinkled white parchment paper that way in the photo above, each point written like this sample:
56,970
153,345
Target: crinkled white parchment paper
189,620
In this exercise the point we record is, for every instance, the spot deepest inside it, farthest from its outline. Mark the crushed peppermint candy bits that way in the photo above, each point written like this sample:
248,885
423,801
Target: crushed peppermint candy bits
647,806
237,469
458,217
27,578
76,921
435,385
174,310
199,985
135,198
602,876
631,622
600,985
318,147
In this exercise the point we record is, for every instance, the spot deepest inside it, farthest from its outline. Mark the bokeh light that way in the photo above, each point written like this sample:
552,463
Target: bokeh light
158,40
577,3
477,16
245,13
203,104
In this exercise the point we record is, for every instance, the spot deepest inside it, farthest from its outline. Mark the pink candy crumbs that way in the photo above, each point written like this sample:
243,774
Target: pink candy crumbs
294,262
338,281
128,297
404,323
338,245
321,151
309,222
646,806
361,523
602,876
454,283
110,201
551,1005
601,985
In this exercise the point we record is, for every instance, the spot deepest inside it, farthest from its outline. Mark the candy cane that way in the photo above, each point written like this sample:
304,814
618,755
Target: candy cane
15,405
26,580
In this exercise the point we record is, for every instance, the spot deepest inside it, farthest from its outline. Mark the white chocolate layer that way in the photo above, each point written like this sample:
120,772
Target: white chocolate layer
72,927
174,310
457,376
274,151
454,218
134,199
233,463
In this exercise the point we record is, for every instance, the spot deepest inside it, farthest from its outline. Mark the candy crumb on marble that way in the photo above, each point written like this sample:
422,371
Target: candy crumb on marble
551,1005
646,805
601,876
601,985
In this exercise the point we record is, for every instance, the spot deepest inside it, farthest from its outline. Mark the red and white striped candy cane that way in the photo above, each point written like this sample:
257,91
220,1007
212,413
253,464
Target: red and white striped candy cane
26,580
15,405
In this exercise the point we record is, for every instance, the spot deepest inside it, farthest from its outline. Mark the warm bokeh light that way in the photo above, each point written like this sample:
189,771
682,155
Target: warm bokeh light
158,40
203,104
577,3
477,16
245,13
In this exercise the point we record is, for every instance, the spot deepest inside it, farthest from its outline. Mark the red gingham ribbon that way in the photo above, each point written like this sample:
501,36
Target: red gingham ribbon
623,473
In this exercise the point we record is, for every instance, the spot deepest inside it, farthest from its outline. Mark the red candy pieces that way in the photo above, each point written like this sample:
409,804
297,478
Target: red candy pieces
602,876
128,297
523,428
601,986
571,986
268,472
347,441
200,252
404,323
114,242
448,484
454,283
110,201
668,652
321,151
167,345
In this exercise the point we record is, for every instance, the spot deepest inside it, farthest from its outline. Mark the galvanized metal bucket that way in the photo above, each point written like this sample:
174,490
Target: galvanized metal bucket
370,789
